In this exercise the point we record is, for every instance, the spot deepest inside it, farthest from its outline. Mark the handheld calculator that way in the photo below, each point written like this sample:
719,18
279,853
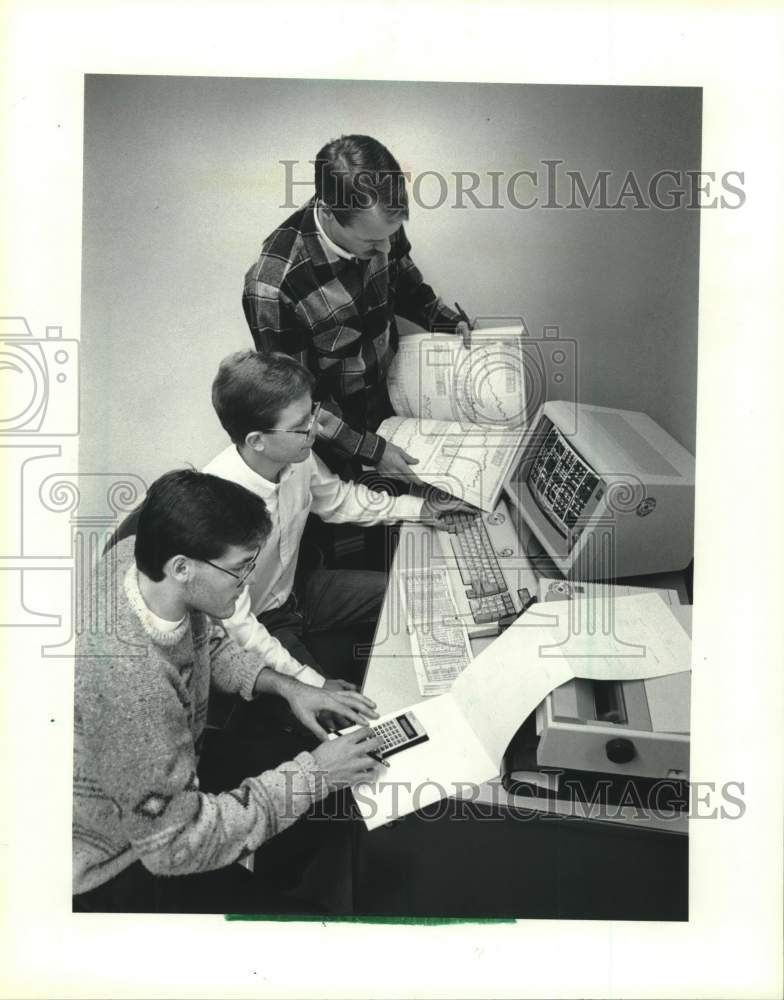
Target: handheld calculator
399,733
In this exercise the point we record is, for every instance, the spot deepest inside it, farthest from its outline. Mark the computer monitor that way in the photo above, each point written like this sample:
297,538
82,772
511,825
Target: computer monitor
608,493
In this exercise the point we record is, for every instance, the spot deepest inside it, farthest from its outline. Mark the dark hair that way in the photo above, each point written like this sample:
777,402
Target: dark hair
252,388
356,172
195,514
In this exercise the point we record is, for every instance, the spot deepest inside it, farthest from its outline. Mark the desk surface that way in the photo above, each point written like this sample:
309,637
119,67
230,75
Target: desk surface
391,682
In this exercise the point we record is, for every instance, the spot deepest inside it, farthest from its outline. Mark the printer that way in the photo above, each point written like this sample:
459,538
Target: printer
612,727
636,728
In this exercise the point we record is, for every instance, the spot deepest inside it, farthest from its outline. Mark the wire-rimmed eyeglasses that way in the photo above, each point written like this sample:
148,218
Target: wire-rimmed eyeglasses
243,576
312,424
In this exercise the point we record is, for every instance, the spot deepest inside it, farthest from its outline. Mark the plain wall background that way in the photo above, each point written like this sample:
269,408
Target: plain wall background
183,180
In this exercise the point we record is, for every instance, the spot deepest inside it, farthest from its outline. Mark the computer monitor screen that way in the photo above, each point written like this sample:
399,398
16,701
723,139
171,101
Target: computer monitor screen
561,482
608,493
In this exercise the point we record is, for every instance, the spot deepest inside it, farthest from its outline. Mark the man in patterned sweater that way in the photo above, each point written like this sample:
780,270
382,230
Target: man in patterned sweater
326,289
144,829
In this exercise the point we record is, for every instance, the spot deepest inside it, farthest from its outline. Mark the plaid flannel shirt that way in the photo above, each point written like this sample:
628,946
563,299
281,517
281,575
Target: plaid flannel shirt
337,317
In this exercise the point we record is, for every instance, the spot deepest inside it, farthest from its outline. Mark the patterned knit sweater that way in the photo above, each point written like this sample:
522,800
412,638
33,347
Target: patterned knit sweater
140,707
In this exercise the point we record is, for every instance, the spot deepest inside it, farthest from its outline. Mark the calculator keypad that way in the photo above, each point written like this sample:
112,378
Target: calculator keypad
394,736
391,734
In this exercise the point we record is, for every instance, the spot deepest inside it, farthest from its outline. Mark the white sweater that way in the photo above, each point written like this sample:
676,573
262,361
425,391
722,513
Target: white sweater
301,488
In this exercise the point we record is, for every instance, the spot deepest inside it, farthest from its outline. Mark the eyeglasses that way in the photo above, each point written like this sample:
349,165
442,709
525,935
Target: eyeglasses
242,577
307,431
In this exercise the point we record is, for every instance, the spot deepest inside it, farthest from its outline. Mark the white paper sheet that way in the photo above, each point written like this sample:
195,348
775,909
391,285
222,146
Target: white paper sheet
635,638
434,376
505,683
469,464
429,772
440,646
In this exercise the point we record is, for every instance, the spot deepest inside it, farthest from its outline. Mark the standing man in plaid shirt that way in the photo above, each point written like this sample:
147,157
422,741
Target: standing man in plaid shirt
326,289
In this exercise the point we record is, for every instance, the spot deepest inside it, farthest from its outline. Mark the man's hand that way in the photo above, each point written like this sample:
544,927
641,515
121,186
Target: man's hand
307,702
331,720
338,684
432,511
463,330
397,463
347,760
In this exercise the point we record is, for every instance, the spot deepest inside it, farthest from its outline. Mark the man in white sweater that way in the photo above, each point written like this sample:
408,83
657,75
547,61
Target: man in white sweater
265,404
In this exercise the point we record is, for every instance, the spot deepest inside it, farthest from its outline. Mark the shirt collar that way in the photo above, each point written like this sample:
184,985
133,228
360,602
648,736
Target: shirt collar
245,476
330,244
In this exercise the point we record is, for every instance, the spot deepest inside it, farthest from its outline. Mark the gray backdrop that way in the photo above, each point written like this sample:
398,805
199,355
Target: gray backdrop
183,180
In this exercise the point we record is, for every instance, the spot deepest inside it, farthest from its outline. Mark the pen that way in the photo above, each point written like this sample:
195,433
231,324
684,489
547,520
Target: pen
372,754
379,758
463,316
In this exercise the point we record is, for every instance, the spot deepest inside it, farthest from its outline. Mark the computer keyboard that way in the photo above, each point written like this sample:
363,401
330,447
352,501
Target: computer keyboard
475,557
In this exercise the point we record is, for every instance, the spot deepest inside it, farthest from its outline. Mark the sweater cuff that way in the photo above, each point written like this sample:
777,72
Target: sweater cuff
248,675
314,776
406,508
310,676
445,320
371,448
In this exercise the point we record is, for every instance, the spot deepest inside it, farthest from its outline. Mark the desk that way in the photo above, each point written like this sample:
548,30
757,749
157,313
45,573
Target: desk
525,857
